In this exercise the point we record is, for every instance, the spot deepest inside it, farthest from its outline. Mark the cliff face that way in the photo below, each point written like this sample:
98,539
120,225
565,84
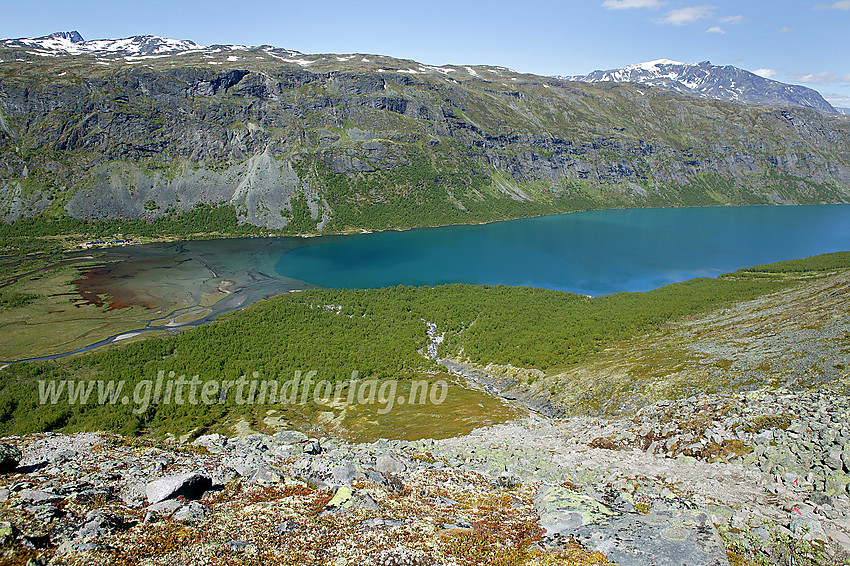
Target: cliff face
326,142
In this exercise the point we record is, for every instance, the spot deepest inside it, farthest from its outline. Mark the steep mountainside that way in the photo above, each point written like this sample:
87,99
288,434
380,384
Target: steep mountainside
713,81
306,143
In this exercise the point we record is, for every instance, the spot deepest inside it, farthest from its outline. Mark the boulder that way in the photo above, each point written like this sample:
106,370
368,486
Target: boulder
101,523
7,530
562,510
804,524
192,511
663,537
10,457
189,485
289,437
214,443
313,447
264,475
387,464
38,496
165,508
342,495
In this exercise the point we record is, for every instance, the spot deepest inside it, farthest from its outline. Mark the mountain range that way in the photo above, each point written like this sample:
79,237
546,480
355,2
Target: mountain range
713,81
149,127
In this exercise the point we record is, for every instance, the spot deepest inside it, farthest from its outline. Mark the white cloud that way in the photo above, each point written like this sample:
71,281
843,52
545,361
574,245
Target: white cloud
786,29
626,4
731,19
821,77
766,73
716,29
840,5
836,99
688,15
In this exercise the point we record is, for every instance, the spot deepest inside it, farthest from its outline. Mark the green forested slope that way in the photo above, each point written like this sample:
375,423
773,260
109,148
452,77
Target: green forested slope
378,333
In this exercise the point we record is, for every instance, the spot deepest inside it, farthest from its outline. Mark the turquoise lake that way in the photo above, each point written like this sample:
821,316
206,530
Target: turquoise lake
593,253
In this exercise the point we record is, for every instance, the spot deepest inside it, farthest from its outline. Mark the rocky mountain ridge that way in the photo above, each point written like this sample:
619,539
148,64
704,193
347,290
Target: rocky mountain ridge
328,143
722,82
72,43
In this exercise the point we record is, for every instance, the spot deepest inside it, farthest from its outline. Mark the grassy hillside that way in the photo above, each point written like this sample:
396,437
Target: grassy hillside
379,334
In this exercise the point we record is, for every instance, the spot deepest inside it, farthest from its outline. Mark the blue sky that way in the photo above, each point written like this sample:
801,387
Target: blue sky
803,42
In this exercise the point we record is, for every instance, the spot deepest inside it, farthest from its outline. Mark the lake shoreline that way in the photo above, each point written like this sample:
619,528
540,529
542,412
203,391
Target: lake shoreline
598,253
363,231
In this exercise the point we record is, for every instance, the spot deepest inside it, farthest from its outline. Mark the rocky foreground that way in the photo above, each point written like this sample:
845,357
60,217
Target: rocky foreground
760,478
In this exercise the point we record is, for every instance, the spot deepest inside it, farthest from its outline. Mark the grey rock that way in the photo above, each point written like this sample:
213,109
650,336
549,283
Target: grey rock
38,496
313,447
664,537
833,460
9,458
238,545
264,475
562,510
60,457
805,524
387,464
289,437
7,530
362,501
761,534
287,527
192,511
4,495
189,485
507,480
379,522
165,508
214,443
329,473
101,523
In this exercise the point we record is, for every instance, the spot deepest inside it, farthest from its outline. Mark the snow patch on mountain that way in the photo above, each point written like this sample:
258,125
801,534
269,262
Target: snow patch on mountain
72,43
712,81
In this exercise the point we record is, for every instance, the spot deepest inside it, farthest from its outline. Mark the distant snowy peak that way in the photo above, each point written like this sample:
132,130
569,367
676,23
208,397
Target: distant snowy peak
712,81
72,43
72,36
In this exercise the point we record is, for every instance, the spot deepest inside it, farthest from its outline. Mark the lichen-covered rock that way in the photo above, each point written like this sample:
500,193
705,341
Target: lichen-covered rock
9,458
190,485
387,464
